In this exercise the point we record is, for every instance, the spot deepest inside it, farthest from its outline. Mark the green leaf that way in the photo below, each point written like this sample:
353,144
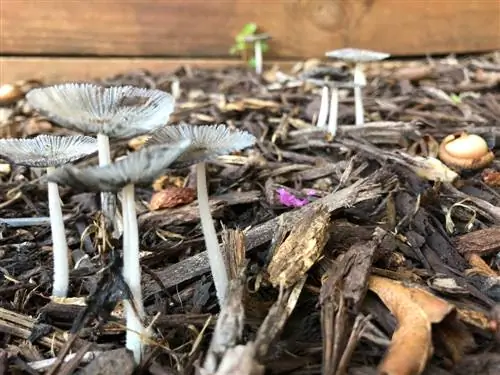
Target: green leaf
265,47
251,62
249,29
456,98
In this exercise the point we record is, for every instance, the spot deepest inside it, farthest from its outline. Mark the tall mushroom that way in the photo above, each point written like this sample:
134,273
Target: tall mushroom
207,142
49,151
108,112
142,166
355,58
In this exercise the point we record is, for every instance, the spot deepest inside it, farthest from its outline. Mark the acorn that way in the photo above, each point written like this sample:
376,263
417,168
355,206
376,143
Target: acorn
463,151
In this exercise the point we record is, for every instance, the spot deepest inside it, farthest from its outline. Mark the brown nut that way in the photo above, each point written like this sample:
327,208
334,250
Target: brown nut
171,197
10,94
463,151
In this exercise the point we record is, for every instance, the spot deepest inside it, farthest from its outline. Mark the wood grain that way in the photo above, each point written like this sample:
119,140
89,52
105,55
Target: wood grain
196,28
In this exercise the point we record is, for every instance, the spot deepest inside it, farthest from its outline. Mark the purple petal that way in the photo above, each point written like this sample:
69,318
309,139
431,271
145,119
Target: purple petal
290,200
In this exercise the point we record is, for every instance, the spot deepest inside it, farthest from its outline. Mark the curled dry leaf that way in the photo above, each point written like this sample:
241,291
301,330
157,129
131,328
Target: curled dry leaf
171,197
415,310
301,249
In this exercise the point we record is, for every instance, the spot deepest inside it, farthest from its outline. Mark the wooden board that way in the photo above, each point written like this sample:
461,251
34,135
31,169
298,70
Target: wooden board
53,70
206,28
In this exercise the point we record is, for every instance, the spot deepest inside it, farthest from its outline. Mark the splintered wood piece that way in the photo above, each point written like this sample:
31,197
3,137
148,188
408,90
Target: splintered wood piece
233,246
301,249
22,326
229,327
276,318
482,242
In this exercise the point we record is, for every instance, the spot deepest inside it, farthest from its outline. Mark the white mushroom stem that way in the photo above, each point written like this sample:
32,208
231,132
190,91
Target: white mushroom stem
215,257
258,56
59,244
323,108
108,202
132,273
334,112
359,82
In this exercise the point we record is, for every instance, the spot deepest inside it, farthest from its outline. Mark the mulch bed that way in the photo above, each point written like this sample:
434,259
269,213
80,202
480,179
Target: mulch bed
381,270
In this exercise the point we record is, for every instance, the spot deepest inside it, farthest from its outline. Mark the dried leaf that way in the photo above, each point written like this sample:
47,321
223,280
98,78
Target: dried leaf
171,197
302,248
415,310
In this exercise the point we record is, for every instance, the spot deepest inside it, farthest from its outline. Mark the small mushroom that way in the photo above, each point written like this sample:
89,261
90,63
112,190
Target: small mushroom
116,112
48,151
356,57
207,142
257,40
142,166
463,151
329,110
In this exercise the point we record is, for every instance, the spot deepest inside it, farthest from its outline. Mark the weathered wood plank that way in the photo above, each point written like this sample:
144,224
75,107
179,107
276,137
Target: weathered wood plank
201,28
53,70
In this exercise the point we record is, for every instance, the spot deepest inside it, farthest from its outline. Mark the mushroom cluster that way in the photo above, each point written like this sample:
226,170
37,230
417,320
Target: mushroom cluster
355,58
106,112
122,112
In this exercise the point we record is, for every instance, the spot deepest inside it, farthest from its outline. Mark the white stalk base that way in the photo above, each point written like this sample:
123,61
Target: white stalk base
132,274
215,258
59,244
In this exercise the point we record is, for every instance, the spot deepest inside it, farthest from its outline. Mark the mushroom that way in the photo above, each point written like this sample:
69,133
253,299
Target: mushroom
50,151
330,110
463,151
142,166
257,40
117,112
207,142
356,57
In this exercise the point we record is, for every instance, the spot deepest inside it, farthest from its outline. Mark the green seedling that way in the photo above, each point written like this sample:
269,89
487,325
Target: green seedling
243,43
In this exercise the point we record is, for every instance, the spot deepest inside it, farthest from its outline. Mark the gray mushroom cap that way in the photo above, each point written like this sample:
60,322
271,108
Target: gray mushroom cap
138,167
256,37
118,111
357,55
207,141
47,150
